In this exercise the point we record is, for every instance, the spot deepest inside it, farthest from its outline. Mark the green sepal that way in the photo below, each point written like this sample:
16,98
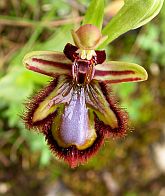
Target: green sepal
153,12
132,15
118,72
49,63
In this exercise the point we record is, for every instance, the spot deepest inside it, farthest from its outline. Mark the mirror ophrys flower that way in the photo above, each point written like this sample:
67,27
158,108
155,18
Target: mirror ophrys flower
77,111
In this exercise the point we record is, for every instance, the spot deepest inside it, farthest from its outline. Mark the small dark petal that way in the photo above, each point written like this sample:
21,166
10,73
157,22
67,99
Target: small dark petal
69,51
101,56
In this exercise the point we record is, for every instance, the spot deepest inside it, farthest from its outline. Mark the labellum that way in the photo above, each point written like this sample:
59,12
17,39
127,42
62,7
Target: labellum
77,111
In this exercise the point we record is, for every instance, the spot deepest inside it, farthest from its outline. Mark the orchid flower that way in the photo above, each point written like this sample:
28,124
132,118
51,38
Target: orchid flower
77,111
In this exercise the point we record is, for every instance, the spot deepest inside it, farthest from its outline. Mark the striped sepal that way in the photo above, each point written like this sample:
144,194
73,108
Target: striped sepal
116,72
48,63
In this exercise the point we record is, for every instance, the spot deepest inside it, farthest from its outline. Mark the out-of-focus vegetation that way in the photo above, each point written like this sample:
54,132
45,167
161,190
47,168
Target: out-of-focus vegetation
129,166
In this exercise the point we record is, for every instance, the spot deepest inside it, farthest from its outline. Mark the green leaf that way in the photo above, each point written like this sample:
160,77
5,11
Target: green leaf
157,5
133,14
95,13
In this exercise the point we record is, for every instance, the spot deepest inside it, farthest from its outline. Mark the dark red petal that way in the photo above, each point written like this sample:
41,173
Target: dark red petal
101,56
69,51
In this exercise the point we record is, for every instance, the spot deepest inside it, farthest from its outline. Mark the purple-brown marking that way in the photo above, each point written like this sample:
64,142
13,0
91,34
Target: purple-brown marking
123,80
52,63
40,71
113,73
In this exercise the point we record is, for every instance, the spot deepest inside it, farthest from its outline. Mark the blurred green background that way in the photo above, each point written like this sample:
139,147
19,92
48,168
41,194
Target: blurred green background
130,166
